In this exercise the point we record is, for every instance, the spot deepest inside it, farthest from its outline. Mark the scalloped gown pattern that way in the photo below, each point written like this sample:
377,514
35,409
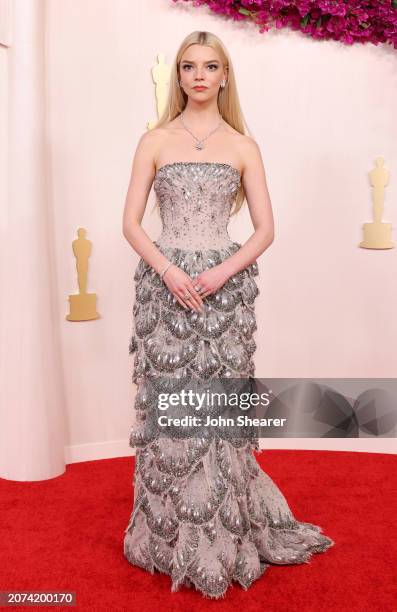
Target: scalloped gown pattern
204,512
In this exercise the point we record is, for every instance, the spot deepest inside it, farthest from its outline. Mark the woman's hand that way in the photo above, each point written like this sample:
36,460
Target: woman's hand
212,279
180,284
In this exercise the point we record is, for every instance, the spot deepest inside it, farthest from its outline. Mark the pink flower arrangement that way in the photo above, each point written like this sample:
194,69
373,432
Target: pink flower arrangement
349,21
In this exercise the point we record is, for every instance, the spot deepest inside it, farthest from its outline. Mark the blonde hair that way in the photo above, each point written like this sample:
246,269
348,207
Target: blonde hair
228,100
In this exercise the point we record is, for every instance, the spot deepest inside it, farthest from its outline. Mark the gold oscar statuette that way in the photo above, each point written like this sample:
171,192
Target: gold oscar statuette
82,304
377,235
161,76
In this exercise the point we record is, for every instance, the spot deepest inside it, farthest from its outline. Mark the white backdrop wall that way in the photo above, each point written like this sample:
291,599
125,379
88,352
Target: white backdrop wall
320,111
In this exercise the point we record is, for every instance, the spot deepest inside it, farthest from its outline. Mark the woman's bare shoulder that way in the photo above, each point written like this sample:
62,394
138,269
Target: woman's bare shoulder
158,135
247,145
151,141
153,135
167,127
250,153
242,139
246,140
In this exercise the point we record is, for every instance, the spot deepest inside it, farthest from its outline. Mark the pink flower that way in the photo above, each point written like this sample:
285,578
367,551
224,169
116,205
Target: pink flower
348,21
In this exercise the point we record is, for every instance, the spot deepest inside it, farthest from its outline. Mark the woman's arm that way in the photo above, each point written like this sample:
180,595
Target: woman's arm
142,176
259,204
141,180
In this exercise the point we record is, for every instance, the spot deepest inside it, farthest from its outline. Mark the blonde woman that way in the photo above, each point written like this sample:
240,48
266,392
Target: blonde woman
204,512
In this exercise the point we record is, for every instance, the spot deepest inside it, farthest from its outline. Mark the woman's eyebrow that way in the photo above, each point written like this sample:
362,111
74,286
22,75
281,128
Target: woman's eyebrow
207,62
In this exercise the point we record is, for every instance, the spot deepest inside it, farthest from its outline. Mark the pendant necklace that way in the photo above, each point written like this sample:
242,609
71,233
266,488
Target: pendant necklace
199,144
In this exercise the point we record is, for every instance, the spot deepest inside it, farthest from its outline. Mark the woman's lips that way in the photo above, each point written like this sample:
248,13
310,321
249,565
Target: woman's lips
199,88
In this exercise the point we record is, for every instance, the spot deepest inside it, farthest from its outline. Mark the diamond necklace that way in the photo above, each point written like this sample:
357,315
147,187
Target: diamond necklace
199,144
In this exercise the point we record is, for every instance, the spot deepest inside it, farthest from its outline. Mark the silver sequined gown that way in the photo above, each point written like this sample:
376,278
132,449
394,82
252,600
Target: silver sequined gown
204,512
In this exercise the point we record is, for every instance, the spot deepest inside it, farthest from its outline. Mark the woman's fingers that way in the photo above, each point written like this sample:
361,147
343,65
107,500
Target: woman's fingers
185,303
201,290
191,299
194,299
181,302
197,286
193,303
196,292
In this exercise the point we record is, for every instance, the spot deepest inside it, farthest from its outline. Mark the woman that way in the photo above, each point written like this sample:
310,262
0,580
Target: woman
204,512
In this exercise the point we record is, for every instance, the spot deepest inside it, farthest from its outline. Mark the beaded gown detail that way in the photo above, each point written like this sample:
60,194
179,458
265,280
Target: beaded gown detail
204,512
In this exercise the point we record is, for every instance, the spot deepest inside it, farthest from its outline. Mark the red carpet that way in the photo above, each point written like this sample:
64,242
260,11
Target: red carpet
67,533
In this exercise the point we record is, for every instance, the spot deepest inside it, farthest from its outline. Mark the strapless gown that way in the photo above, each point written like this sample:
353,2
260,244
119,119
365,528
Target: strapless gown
204,512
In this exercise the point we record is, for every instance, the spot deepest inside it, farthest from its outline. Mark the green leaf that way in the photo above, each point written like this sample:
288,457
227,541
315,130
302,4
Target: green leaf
244,11
305,20
394,3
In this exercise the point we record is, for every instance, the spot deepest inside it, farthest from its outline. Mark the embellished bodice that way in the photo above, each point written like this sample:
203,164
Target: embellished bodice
195,201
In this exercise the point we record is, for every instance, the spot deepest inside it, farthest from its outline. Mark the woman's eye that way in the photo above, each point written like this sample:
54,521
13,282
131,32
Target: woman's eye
209,66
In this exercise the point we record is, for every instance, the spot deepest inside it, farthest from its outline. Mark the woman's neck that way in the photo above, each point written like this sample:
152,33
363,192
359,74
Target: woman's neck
201,118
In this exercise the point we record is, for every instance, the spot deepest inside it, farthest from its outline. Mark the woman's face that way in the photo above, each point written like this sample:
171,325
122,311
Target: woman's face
201,66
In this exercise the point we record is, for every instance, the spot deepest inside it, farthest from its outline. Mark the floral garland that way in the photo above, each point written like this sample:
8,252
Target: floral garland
348,21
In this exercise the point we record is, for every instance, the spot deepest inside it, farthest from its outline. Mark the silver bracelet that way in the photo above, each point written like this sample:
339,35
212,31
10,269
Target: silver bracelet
165,269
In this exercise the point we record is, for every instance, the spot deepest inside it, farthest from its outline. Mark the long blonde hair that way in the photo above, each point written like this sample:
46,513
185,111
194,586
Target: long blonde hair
228,100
